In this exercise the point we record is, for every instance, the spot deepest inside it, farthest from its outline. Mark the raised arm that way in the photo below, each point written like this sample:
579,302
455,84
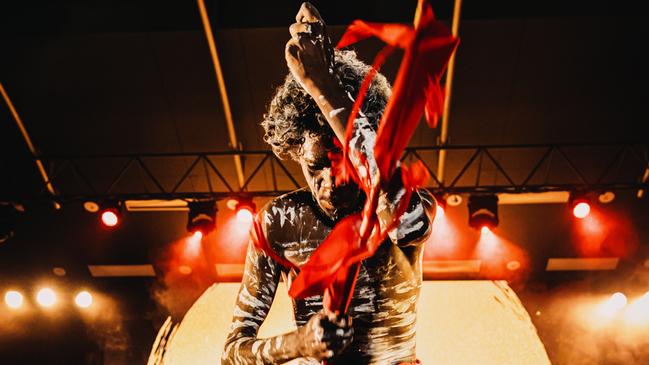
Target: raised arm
309,56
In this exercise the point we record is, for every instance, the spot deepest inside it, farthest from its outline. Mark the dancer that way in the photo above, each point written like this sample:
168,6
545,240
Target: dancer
306,115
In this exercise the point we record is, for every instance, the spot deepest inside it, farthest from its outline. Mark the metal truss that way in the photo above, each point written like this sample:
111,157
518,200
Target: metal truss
518,168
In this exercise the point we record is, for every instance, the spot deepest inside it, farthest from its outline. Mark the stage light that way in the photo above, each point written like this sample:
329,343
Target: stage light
637,314
198,235
454,200
581,210
580,205
46,297
613,305
619,300
483,211
202,216
513,265
245,211
83,299
13,299
606,197
184,269
111,213
244,216
91,207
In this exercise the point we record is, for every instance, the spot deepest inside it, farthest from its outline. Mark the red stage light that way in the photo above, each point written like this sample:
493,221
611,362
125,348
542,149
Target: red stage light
581,210
245,209
244,215
109,218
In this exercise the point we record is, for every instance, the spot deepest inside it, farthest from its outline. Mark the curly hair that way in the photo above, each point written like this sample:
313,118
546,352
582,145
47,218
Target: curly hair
293,113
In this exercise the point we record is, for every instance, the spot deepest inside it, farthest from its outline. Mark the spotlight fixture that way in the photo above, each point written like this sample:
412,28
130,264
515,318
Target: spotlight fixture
579,204
13,299
111,213
202,216
483,211
46,297
245,209
454,200
83,299
606,197
91,207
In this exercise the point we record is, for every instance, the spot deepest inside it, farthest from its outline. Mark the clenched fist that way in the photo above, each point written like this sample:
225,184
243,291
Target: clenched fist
309,53
324,336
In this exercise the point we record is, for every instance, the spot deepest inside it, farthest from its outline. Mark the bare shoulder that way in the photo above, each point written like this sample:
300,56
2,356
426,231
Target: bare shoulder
428,200
281,216
284,208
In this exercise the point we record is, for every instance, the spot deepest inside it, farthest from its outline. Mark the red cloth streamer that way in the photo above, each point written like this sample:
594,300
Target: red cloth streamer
333,267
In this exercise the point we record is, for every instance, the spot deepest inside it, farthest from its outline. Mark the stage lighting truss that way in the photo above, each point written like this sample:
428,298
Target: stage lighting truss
563,162
483,211
202,216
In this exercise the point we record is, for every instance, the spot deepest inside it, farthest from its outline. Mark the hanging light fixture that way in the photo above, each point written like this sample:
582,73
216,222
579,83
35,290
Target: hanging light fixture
202,217
483,211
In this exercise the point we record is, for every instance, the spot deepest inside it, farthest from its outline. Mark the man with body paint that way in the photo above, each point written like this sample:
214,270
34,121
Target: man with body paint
304,117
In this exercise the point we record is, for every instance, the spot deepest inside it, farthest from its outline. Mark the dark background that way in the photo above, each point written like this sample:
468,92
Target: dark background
97,77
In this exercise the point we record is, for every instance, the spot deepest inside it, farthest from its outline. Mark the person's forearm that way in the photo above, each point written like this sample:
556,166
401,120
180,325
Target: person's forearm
334,103
250,350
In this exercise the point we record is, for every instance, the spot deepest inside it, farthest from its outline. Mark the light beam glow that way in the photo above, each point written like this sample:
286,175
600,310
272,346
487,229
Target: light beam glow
46,297
109,218
637,313
581,210
193,244
613,305
83,299
13,299
244,216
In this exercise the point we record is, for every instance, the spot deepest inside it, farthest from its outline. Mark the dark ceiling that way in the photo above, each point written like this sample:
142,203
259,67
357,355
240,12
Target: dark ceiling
93,78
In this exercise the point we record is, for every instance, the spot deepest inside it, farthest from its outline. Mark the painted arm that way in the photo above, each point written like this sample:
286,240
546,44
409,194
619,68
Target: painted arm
320,338
256,294
309,56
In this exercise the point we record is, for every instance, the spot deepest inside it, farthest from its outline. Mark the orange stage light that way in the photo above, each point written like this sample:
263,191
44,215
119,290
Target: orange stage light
612,306
83,299
46,297
13,299
581,210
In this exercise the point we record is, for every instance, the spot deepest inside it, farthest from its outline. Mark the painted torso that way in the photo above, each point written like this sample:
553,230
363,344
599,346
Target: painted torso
383,307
